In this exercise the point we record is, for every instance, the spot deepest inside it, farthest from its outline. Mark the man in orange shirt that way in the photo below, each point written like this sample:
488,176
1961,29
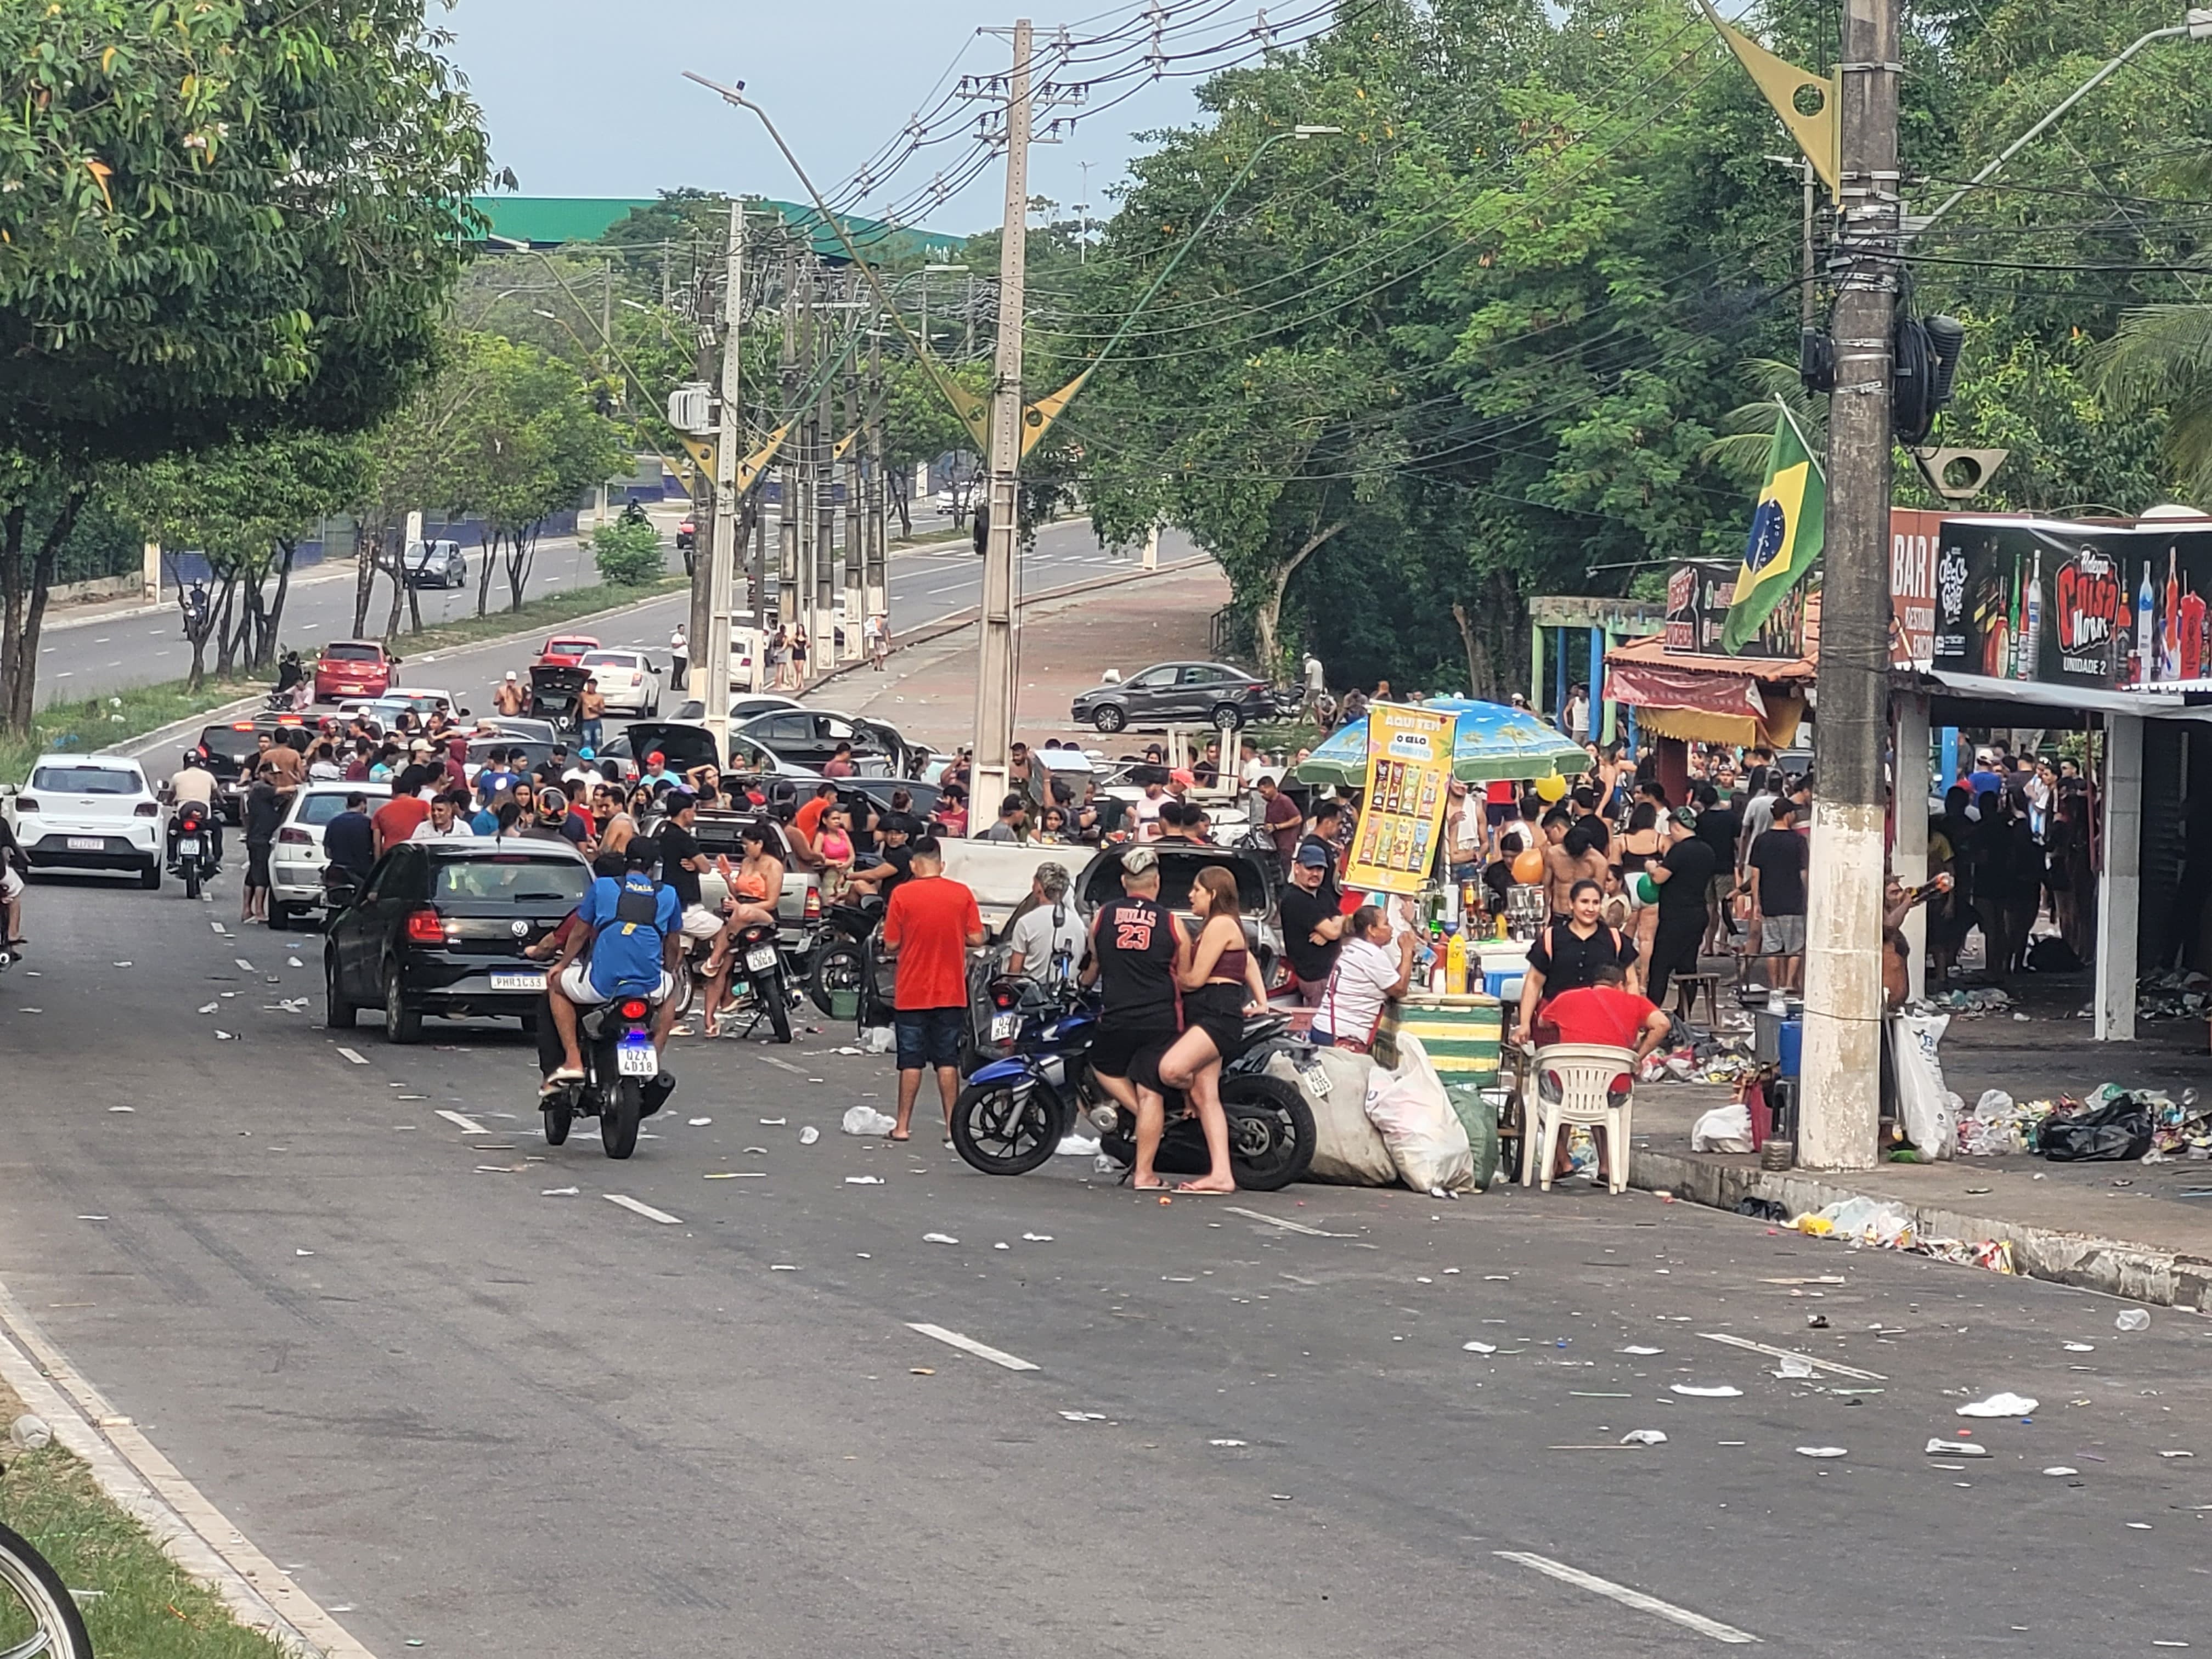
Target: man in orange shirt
399,818
807,824
929,925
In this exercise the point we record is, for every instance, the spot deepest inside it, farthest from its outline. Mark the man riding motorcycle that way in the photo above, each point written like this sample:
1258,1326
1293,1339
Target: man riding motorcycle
634,930
193,782
11,889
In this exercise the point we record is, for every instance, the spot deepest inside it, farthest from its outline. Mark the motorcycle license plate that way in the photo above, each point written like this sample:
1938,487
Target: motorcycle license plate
88,844
636,1058
188,847
518,981
761,958
1004,1027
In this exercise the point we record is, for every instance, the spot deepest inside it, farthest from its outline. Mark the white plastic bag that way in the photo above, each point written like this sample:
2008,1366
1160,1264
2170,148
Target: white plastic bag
1428,1143
876,1039
1724,1129
1348,1151
867,1121
1923,1104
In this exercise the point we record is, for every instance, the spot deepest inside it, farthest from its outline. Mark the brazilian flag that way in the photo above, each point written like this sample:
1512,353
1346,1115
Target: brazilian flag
1786,532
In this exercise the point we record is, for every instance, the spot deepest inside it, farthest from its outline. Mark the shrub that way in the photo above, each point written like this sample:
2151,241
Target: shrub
628,554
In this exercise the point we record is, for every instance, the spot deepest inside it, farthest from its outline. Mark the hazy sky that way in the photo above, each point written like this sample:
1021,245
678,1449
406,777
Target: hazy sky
586,98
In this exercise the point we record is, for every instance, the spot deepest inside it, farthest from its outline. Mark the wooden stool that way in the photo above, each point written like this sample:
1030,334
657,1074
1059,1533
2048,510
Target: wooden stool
1685,996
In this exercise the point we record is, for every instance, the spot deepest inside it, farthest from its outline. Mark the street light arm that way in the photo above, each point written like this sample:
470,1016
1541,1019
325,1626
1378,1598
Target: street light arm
2199,25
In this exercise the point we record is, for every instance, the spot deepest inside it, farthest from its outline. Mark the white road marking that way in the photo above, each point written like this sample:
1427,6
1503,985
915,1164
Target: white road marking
645,1210
244,963
466,1125
969,1344
357,1059
1283,1222
1837,1366
796,1071
219,927
1626,1597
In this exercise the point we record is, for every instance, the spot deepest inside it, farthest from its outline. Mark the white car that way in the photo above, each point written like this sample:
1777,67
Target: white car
628,680
297,862
87,812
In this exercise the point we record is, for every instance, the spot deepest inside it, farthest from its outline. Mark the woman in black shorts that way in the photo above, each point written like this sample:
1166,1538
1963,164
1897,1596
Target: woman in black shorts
1219,981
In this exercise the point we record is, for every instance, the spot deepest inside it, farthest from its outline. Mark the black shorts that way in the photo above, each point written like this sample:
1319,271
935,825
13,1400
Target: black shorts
257,864
929,1036
1115,1048
1218,1011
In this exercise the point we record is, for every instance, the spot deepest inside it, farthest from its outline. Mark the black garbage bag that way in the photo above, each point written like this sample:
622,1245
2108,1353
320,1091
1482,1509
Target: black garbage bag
2053,955
2118,1131
1762,1209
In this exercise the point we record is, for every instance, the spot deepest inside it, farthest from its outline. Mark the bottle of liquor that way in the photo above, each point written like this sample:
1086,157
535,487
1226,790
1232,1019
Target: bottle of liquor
2145,659
2028,642
2169,659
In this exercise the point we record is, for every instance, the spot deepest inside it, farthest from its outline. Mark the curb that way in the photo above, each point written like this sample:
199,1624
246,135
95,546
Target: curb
953,621
2137,1273
138,1480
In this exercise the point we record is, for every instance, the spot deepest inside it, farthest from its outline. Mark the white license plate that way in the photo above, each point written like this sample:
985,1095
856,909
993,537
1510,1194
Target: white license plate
761,958
637,1060
188,844
1004,1026
518,981
88,844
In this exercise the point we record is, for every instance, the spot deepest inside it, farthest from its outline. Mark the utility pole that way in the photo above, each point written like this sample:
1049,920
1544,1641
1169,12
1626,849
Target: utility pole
786,468
850,422
1841,1110
822,635
702,502
713,649
994,670
873,597
606,347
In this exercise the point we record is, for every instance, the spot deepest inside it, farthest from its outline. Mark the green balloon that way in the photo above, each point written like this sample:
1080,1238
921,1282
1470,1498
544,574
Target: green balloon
1647,890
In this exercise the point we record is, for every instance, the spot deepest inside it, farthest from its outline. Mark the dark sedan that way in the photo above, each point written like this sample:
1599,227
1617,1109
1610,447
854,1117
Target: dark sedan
438,928
1177,694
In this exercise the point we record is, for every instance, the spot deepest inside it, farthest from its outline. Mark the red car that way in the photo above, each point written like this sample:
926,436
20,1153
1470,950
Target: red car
565,650
353,668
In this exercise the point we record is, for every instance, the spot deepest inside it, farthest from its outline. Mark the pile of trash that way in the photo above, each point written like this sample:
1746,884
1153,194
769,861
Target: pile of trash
1976,1003
2172,995
1701,1056
1999,1125
1885,1224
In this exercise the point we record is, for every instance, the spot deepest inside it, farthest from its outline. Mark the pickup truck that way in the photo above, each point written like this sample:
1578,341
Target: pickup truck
800,906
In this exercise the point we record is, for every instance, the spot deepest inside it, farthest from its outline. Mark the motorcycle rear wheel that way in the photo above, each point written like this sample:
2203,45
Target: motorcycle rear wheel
557,1120
192,878
1008,1128
771,995
839,965
1271,1130
618,1118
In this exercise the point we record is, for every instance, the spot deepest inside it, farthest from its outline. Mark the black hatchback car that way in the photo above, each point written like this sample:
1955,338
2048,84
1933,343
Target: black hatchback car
1177,694
439,927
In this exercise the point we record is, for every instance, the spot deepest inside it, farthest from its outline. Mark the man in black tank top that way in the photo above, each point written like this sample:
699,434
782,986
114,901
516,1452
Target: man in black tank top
1134,945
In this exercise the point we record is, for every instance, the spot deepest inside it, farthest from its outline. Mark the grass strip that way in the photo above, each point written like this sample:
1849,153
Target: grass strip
148,1607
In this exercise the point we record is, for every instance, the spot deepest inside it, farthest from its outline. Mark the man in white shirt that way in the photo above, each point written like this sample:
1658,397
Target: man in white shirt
1146,811
1050,940
192,782
445,821
1370,974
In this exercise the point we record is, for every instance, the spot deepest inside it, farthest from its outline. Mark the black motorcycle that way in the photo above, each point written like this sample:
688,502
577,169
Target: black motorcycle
839,963
1271,1126
194,857
623,1083
760,980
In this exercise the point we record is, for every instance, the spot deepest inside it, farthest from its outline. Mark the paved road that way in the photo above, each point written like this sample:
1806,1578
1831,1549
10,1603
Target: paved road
504,1420
925,583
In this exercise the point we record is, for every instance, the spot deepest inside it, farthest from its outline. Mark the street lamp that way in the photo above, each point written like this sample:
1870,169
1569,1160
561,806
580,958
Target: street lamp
2197,27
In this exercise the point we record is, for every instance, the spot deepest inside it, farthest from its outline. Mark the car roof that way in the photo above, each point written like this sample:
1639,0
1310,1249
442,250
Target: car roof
592,639
375,644
485,848
121,763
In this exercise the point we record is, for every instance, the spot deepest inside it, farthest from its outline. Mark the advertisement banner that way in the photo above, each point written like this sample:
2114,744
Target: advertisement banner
1915,539
1409,761
1698,596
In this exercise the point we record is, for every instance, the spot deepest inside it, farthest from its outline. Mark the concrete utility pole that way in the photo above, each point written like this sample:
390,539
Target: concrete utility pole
994,670
703,506
714,648
786,471
874,598
821,633
606,351
1841,1110
850,422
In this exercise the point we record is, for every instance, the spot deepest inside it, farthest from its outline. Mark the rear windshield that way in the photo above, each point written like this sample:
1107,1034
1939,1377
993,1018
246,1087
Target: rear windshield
568,647
229,740
319,810
86,780
609,659
516,878
353,653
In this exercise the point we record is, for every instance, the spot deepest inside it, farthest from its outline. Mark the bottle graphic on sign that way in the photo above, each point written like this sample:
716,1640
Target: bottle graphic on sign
2143,628
2169,638
2029,641
2193,636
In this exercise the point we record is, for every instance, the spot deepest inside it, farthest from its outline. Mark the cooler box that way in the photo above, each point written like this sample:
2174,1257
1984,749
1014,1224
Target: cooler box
1503,983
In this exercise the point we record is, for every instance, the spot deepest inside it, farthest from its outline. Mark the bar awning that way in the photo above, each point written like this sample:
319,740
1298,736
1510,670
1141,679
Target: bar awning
2036,694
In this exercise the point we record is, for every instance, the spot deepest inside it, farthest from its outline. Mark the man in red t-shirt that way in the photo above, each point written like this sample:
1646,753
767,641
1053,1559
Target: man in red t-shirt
1607,1014
929,925
399,818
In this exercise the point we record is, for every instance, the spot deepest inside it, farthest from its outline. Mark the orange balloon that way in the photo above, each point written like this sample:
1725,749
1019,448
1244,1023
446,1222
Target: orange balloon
1528,867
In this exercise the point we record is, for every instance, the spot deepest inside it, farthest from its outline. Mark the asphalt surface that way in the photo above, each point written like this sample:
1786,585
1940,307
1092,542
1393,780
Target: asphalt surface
470,1409
925,583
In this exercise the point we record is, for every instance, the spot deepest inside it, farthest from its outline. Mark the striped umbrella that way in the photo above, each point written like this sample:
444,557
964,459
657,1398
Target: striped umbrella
1492,741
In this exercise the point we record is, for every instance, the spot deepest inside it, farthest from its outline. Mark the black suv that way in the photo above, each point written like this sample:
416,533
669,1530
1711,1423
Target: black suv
228,748
438,928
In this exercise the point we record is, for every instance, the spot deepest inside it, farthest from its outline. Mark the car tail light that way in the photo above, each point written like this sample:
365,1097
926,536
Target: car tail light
25,804
425,927
292,836
634,1009
1281,979
146,809
814,904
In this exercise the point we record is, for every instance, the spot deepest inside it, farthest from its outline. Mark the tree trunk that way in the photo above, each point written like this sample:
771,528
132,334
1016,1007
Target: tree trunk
273,621
23,701
520,550
14,664
488,552
1268,608
226,636
395,567
365,541
414,600
900,489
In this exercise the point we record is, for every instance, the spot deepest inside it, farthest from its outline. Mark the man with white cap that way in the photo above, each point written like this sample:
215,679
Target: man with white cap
510,697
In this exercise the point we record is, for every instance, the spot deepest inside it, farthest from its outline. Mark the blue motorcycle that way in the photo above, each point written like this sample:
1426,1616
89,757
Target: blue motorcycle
1034,1040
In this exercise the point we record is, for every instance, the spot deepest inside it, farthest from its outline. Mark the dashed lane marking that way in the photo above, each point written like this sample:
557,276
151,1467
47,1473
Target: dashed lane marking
969,1344
1627,1597
645,1210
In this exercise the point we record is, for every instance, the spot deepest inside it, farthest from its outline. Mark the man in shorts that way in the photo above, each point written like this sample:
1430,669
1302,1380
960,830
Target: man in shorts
634,928
929,926
1135,945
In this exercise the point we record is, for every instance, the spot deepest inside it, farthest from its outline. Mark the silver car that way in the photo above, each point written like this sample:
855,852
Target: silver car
297,862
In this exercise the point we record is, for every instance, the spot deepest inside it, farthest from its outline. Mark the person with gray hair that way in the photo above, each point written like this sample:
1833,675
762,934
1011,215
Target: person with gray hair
1049,939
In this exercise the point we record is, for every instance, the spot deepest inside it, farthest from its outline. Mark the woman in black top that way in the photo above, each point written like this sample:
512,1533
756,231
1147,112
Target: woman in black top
1566,955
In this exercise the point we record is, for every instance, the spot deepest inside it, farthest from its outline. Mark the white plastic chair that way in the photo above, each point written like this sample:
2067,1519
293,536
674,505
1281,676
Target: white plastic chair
1585,1073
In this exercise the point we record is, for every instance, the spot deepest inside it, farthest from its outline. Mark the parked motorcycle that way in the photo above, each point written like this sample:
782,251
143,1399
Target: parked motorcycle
195,851
1018,1105
623,1083
760,980
840,962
